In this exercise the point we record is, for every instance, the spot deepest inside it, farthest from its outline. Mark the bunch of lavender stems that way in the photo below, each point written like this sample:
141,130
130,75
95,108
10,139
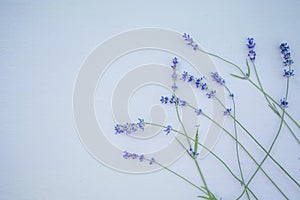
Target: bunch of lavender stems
271,102
228,112
246,76
221,81
193,152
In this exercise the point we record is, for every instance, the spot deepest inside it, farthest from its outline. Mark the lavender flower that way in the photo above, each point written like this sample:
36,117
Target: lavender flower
173,100
284,47
151,161
216,77
192,152
175,61
285,51
190,41
184,76
174,74
141,123
141,157
288,73
284,103
251,44
198,111
287,59
174,87
194,80
251,54
168,129
134,156
227,111
129,128
126,154
211,94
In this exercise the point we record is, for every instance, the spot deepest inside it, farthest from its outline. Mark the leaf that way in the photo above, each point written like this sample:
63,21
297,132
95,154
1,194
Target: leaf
202,197
196,144
248,68
236,76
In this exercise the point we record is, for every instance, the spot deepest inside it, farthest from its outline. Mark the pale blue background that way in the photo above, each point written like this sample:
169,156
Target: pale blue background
44,43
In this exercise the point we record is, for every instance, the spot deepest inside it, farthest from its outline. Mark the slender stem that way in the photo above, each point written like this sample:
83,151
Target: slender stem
187,138
203,146
260,85
272,158
237,145
202,176
266,156
211,152
198,168
181,123
254,139
243,147
219,57
180,176
278,132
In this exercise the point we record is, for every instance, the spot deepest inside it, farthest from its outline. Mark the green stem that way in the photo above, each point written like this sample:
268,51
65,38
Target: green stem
187,138
181,123
253,138
180,176
237,145
202,176
260,85
203,146
247,152
278,132
270,104
266,156
210,151
198,168
227,61
272,158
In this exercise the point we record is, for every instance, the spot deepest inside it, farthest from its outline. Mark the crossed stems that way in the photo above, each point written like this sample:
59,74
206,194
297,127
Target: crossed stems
246,77
272,106
210,151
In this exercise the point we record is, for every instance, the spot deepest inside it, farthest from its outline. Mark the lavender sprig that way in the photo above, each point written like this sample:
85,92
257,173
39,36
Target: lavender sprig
287,60
141,157
174,74
216,77
251,54
129,128
173,100
190,41
198,82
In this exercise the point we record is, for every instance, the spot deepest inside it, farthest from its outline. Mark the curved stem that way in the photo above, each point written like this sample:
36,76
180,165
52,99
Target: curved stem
227,61
237,145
